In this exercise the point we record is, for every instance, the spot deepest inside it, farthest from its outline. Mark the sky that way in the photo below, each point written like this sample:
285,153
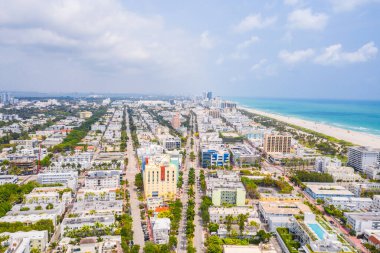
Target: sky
271,48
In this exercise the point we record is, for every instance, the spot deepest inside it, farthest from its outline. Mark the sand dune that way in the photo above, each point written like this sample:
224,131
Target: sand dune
358,138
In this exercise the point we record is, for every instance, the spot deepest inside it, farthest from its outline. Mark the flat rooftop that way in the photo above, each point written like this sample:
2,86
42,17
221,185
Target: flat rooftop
329,189
284,207
367,216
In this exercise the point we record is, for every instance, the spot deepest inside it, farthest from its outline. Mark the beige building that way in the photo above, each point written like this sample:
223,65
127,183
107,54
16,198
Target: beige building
176,121
160,177
277,143
85,114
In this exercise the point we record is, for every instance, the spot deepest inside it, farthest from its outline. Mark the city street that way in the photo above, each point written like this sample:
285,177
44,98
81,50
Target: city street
132,170
198,234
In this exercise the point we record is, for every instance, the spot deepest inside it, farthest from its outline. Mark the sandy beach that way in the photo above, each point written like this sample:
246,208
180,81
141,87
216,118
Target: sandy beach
358,138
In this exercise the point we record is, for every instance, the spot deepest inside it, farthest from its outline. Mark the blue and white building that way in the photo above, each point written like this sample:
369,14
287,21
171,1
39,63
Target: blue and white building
326,190
215,156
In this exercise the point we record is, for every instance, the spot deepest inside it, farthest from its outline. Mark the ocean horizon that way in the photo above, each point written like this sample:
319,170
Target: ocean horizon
355,115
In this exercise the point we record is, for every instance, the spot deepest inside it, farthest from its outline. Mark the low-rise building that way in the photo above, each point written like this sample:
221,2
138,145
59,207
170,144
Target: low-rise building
343,174
36,239
263,248
69,179
243,154
170,142
161,229
225,188
88,195
219,214
98,207
103,179
349,203
30,219
90,221
323,161
154,202
359,222
372,171
215,156
8,179
376,202
362,188
326,190
280,209
42,197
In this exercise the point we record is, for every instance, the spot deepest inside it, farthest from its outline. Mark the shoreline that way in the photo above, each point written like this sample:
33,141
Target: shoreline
357,138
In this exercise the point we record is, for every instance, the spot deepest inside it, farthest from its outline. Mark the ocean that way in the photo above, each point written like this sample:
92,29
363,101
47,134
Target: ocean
356,115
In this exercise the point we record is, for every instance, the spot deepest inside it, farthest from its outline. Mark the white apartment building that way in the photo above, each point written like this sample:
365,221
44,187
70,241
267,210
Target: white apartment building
8,179
154,202
219,214
372,171
36,239
42,197
88,195
31,219
323,161
349,204
69,179
83,158
363,221
100,207
376,202
103,179
357,189
170,142
161,229
91,221
343,174
361,157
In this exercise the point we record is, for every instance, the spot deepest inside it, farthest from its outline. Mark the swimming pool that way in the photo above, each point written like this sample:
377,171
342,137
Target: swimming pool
317,229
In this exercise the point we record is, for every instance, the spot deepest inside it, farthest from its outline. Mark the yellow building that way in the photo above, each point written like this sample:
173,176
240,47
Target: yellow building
269,197
160,177
277,143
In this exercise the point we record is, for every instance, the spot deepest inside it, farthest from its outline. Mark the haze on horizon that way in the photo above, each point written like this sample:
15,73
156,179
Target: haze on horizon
274,48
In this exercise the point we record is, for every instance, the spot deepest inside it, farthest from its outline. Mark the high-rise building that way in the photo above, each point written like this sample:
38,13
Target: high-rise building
277,143
5,98
160,175
209,95
176,122
361,157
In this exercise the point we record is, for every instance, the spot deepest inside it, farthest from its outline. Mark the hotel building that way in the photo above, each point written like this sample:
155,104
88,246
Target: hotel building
160,175
277,143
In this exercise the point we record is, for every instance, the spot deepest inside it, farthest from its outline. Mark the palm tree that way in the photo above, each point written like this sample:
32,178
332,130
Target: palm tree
229,220
242,218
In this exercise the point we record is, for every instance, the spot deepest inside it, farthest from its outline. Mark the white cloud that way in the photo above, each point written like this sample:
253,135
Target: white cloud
305,19
259,65
291,2
254,22
206,42
101,33
35,36
334,55
263,68
296,56
348,5
248,43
